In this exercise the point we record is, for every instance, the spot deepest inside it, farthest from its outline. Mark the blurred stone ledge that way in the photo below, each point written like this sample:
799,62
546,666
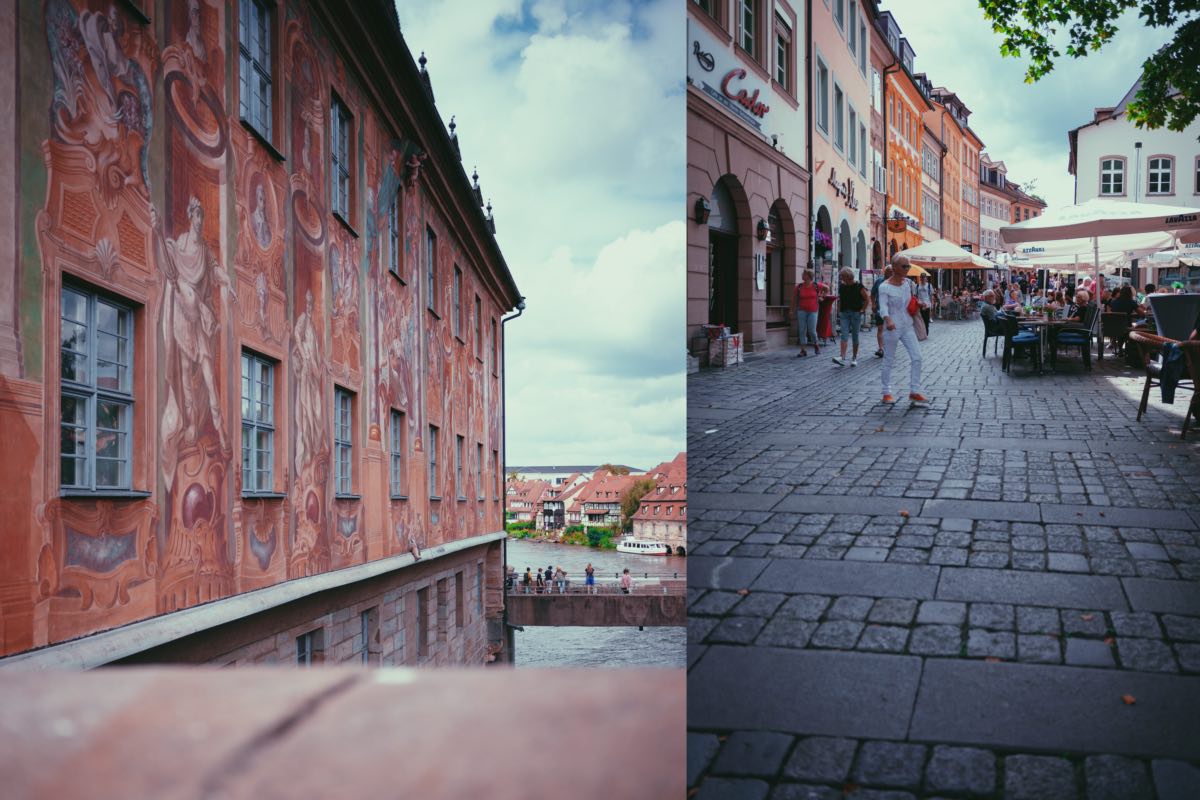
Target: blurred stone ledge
266,732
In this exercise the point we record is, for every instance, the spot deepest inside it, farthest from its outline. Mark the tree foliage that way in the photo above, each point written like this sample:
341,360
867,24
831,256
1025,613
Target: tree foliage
1170,91
632,499
613,469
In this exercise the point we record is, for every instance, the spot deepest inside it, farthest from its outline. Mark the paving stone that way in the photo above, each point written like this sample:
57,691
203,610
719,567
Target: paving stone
1176,780
935,640
1067,562
1146,654
1038,778
759,604
1136,623
989,559
737,630
852,694
804,606
990,644
949,556
1152,594
1146,551
1056,709
1189,657
952,539
1038,648
895,610
981,510
786,632
1045,589
1086,623
805,791
699,627
992,616
1031,561
889,764
701,748
852,608
1183,628
821,758
733,789
752,754
1089,653
1116,778
848,578
714,603
1037,620
723,573
883,639
942,612
966,770
907,555
841,634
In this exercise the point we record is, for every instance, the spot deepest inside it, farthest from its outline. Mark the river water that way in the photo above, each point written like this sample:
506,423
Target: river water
595,647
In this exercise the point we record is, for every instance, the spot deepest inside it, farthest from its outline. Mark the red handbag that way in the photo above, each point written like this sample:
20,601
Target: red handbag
913,305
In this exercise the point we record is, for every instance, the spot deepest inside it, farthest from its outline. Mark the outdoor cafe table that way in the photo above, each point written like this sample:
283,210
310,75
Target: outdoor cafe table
1042,325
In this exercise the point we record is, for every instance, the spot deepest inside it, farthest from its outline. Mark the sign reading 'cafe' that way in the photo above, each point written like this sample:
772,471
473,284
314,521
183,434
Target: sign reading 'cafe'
843,189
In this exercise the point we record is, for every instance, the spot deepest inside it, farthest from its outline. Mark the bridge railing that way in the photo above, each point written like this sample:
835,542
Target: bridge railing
669,583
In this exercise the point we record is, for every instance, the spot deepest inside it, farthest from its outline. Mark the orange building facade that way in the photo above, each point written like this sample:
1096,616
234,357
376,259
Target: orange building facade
947,124
259,337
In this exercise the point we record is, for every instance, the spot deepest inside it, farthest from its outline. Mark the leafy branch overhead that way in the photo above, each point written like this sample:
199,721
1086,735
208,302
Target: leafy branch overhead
1170,92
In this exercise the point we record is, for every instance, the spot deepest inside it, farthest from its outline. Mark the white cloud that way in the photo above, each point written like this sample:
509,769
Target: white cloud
1024,125
573,112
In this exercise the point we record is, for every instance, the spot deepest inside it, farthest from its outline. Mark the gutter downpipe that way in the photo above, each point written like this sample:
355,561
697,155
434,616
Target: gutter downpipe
509,641
810,132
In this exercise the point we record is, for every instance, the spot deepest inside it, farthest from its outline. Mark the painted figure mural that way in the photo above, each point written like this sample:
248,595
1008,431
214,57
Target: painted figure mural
216,240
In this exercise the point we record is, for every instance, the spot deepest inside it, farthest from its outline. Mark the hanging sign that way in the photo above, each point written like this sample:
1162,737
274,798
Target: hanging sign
843,189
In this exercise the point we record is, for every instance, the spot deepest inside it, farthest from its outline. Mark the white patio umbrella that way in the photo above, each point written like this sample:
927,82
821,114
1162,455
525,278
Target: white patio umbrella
944,254
1105,222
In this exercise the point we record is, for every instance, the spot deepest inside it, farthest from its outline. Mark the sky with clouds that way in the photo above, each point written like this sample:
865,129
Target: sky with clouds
1024,125
573,112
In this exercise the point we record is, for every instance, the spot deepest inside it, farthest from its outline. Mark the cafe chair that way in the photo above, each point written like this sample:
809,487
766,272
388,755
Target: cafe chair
1115,326
1150,350
1016,340
992,330
1081,336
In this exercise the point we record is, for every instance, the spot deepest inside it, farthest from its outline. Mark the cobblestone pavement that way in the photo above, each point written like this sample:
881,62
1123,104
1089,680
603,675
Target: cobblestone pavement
994,596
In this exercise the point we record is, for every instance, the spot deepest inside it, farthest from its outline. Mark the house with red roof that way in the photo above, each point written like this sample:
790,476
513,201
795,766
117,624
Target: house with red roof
662,513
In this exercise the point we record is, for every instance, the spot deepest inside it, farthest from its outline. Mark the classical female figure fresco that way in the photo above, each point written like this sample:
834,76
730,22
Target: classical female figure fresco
191,272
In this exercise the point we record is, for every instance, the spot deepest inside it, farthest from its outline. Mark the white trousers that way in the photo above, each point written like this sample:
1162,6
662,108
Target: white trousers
908,337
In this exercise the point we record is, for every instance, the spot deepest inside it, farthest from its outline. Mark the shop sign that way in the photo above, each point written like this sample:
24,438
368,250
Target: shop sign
897,225
742,97
843,189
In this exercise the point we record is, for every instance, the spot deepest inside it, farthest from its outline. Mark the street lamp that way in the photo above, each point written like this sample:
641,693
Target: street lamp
702,210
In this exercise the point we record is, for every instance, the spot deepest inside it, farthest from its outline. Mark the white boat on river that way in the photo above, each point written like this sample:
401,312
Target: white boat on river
642,547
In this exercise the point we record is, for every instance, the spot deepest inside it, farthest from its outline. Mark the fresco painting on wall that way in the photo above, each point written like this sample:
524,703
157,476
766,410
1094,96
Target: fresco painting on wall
215,242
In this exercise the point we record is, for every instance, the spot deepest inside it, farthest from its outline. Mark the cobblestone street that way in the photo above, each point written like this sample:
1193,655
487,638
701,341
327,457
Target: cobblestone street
994,596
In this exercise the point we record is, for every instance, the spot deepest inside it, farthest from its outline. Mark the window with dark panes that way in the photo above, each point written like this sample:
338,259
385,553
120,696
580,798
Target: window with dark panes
783,53
343,441
339,153
258,423
398,452
459,487
457,289
1160,175
748,19
431,269
478,328
395,235
96,397
254,51
479,470
432,456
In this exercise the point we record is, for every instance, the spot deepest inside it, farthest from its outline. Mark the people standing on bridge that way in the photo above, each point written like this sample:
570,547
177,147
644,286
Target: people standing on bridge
590,572
560,579
541,582
626,581
510,578
528,580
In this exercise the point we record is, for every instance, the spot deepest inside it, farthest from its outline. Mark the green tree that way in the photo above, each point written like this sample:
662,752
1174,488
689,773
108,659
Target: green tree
613,469
632,499
1170,90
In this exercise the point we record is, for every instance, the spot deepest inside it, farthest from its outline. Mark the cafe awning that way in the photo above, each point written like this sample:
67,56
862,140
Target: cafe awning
944,254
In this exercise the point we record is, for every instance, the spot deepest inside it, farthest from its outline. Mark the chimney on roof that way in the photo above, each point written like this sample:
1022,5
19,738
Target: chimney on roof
1102,113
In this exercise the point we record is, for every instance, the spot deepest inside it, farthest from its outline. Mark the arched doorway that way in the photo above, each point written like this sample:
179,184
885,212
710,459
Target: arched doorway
822,237
845,245
876,256
781,254
723,258
680,551
860,252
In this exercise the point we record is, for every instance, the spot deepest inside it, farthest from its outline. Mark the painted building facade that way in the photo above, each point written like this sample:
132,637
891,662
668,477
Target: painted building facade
256,322
841,168
946,122
662,514
933,153
747,134
972,148
995,204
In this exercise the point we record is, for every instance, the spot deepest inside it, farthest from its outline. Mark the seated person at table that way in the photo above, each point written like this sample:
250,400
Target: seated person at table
1105,299
987,308
1123,303
1039,300
1077,309
1014,300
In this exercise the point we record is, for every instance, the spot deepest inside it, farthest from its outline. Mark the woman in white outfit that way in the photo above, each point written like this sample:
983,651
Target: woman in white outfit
894,296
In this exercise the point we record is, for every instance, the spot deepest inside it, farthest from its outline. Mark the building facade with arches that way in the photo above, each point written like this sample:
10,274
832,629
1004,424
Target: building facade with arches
748,195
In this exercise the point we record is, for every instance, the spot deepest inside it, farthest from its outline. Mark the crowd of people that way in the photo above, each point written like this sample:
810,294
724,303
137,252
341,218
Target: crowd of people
554,579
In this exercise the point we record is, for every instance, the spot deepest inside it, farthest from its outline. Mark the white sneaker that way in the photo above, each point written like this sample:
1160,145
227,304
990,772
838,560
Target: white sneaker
854,363
839,361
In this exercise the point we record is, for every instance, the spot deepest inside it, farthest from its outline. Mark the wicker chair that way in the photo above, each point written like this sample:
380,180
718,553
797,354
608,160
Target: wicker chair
1150,347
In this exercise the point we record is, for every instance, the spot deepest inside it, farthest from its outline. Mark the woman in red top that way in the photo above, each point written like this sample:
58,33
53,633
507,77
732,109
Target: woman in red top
804,307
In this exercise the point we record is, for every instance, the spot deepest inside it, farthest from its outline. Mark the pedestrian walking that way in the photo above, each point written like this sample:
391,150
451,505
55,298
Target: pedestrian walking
626,581
925,298
590,580
805,304
852,301
878,320
897,304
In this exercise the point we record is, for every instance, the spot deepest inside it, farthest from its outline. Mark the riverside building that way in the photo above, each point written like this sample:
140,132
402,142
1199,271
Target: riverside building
251,391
